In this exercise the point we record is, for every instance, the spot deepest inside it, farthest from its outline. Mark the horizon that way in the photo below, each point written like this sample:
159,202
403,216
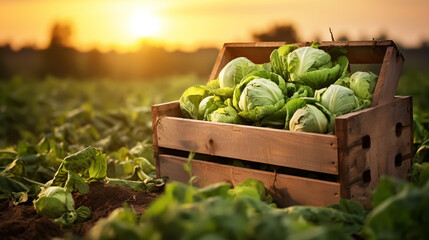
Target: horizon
189,25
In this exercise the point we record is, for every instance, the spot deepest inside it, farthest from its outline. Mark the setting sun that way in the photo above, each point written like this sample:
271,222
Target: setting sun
144,24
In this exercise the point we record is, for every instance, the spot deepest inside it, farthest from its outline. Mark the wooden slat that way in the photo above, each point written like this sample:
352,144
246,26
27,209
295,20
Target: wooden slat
286,190
389,77
360,161
307,151
357,155
171,109
159,111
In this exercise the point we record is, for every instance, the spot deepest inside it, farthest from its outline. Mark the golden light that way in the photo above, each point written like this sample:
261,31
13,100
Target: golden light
144,24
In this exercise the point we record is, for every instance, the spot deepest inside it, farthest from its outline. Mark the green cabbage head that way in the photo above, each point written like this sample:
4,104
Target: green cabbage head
208,105
337,99
278,60
191,99
309,119
257,97
363,84
226,114
53,202
314,67
57,203
234,71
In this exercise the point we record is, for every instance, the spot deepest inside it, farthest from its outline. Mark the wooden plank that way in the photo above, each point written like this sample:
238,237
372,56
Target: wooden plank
307,151
159,111
369,143
361,159
389,77
286,190
362,193
221,61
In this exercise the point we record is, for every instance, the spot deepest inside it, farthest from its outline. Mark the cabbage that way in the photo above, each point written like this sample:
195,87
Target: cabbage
225,115
57,202
234,71
308,115
191,99
278,60
309,119
314,67
259,92
337,99
296,90
208,105
256,98
363,84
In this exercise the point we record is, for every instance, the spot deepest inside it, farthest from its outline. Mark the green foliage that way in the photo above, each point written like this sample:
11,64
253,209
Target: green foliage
88,165
66,117
403,215
216,212
191,99
414,83
278,60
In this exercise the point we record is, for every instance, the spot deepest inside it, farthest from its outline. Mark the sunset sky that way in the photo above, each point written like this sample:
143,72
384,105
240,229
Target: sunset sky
189,24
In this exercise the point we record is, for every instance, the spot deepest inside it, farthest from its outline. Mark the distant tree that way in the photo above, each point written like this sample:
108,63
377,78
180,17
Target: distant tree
95,64
4,71
285,33
59,57
60,35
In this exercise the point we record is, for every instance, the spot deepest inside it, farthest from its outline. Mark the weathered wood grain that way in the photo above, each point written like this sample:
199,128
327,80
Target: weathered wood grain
389,77
307,151
159,111
286,190
372,143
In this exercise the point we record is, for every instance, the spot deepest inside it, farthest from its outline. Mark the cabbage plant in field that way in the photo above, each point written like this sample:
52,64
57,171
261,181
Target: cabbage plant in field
58,203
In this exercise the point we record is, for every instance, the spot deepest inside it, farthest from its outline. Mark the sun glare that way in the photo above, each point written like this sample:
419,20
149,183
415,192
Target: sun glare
144,24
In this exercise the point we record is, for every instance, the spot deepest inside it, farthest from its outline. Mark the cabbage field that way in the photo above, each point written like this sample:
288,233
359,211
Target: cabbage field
91,141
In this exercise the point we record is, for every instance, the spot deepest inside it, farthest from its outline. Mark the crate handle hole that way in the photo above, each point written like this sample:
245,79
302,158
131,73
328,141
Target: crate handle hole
366,142
398,129
366,176
398,160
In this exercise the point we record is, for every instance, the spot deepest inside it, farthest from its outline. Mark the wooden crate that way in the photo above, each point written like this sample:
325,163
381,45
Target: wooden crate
313,169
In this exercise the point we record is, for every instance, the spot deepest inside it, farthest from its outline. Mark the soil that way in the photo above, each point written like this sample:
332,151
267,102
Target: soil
23,222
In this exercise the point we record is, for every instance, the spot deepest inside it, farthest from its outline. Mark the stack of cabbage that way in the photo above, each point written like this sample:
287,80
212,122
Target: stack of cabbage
300,89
